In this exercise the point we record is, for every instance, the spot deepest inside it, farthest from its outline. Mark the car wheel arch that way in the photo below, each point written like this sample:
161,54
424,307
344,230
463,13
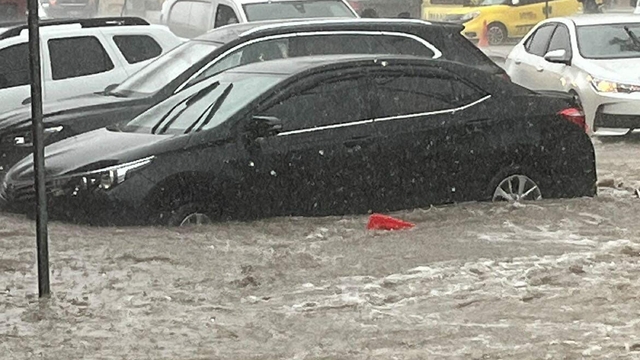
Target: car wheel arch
179,189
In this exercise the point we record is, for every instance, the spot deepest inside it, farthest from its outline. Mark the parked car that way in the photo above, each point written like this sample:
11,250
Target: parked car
504,18
596,58
70,8
227,47
191,18
78,56
318,136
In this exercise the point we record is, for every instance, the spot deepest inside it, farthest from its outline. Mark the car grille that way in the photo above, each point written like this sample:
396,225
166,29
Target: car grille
24,192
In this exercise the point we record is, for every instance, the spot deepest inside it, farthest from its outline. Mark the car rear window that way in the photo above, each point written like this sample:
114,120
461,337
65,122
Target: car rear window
78,56
297,9
137,48
610,41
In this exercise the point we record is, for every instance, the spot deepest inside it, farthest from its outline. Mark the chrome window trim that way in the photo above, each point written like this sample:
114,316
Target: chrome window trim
436,52
389,118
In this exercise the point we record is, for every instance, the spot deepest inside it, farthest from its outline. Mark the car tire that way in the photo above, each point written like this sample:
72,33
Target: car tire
189,214
496,33
514,184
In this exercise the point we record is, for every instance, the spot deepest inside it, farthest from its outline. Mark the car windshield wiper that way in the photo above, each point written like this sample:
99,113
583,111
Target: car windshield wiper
211,110
633,36
188,101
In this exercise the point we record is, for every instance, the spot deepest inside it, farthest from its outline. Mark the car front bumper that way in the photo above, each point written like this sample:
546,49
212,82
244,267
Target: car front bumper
121,205
611,110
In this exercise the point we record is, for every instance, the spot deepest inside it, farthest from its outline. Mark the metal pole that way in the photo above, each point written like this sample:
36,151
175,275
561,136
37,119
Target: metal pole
38,150
546,9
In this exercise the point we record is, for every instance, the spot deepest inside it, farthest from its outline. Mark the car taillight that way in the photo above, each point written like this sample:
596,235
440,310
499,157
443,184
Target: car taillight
576,116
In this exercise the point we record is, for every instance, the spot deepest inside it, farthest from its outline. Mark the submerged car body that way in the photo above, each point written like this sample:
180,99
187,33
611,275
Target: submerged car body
594,57
227,47
318,136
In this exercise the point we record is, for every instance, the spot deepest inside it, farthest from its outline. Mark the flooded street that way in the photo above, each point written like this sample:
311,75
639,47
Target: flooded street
556,279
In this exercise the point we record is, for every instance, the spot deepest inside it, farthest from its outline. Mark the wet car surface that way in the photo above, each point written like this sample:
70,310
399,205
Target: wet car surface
386,140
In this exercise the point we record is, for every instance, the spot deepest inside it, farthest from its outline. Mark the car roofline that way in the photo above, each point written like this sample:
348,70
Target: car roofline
84,23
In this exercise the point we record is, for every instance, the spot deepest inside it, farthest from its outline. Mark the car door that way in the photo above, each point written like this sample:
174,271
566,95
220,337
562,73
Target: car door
14,76
555,76
426,150
320,161
528,64
79,65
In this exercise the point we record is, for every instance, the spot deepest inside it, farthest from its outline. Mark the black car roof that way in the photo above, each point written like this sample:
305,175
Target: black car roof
261,28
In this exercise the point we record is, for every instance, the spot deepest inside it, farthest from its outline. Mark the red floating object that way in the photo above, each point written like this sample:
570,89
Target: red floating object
384,222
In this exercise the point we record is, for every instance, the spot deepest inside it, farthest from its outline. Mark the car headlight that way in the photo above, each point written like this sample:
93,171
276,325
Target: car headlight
25,139
606,86
470,16
108,177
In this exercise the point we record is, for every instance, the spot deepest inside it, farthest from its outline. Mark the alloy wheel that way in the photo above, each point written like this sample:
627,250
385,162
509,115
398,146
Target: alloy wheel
495,35
195,219
517,188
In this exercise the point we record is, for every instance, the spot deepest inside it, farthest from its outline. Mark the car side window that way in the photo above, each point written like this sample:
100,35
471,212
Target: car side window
308,45
137,48
78,56
336,44
14,66
225,16
538,42
323,104
560,40
405,94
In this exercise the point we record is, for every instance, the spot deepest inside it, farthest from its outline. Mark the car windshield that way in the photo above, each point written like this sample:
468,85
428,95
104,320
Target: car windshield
166,68
296,9
204,106
609,41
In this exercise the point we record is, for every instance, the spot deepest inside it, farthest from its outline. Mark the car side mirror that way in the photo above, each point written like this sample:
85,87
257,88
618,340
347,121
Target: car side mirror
559,56
109,88
263,126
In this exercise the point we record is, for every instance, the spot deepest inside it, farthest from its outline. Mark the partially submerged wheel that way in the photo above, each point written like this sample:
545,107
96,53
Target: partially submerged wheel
189,215
517,188
196,219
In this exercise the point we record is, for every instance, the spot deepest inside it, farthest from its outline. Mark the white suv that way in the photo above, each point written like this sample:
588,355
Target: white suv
78,56
192,18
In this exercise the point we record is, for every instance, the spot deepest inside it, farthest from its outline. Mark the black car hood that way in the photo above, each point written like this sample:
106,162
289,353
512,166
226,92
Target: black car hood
94,150
71,107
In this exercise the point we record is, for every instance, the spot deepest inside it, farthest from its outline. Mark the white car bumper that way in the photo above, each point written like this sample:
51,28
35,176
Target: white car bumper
611,110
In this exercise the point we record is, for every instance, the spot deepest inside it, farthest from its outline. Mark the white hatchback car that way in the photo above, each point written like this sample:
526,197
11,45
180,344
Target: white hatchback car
78,56
192,18
593,57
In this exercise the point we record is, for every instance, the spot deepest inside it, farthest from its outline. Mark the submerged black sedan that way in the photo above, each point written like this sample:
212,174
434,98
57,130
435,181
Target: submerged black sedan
318,136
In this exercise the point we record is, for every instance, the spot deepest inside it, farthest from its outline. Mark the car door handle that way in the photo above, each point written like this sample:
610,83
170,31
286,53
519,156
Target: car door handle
518,61
482,121
539,69
26,101
358,142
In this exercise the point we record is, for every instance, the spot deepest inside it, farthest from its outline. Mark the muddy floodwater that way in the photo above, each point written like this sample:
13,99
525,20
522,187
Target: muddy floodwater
554,279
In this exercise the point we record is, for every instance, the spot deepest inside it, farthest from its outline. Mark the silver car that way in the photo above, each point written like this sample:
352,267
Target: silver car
596,58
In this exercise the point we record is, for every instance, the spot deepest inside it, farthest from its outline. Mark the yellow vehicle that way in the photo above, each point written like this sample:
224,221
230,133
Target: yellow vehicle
504,18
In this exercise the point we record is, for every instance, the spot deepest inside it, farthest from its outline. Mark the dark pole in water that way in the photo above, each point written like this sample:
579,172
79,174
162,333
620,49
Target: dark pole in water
38,149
